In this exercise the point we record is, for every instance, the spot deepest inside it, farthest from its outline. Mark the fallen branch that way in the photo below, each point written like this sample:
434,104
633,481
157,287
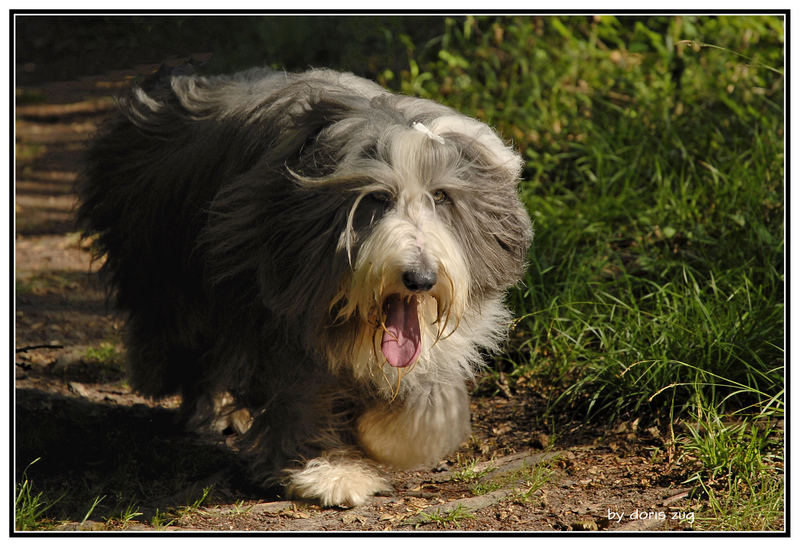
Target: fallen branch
23,349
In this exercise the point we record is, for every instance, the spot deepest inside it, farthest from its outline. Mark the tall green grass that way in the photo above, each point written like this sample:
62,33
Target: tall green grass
30,505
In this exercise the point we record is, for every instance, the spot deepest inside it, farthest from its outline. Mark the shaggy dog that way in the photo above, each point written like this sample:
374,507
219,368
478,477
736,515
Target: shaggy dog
310,259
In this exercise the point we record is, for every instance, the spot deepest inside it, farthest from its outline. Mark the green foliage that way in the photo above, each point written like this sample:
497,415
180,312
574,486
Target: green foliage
467,471
105,353
740,472
745,505
446,518
30,507
529,478
741,449
125,517
94,505
195,505
161,520
532,478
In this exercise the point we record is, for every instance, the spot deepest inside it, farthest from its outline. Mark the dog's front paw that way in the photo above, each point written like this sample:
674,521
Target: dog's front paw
337,482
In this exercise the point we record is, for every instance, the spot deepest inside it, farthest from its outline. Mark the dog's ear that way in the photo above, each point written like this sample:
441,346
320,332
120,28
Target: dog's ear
299,146
493,225
479,144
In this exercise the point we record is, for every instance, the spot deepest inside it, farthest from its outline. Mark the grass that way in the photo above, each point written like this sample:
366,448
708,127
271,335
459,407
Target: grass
730,449
138,467
94,505
125,518
448,518
163,519
528,478
160,520
31,510
739,472
106,354
532,478
467,471
30,506
241,507
744,505
195,505
523,483
42,283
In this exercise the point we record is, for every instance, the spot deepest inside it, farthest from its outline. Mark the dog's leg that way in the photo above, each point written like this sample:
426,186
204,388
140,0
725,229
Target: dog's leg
423,428
339,478
303,440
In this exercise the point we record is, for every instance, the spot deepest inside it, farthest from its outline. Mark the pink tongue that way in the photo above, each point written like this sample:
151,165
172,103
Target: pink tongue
401,340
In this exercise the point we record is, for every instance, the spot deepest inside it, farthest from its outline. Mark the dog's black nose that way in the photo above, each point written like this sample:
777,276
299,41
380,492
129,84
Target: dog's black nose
419,280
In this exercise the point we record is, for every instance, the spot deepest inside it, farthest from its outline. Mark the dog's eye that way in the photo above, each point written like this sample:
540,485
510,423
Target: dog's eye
439,197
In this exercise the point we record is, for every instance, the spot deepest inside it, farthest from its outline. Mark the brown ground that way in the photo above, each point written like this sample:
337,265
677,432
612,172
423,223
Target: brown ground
97,440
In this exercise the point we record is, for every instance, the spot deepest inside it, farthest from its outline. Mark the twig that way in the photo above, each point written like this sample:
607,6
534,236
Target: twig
39,346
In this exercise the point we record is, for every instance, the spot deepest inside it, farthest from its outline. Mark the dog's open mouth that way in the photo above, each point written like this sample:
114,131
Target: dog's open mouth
401,343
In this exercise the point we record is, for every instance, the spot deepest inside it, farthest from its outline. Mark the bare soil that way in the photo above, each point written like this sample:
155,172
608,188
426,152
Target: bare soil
96,440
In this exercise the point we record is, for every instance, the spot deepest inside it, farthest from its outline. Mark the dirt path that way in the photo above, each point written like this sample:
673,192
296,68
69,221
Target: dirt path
96,442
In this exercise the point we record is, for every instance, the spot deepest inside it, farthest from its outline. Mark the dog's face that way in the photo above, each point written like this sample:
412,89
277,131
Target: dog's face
384,229
409,276
434,228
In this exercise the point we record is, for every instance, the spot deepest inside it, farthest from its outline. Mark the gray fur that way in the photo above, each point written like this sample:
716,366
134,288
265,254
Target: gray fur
220,206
